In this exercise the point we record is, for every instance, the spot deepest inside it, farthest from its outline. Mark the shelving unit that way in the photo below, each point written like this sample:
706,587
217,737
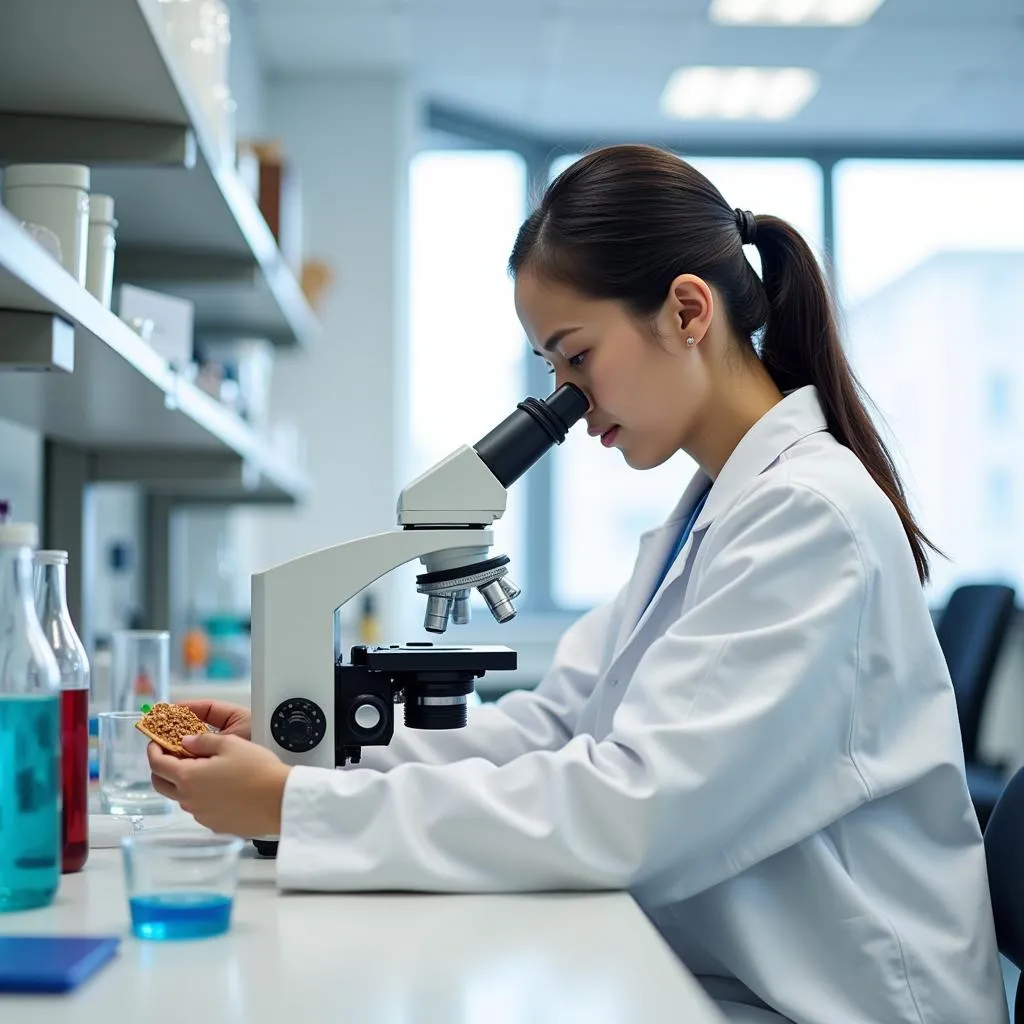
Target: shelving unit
98,83
105,91
122,403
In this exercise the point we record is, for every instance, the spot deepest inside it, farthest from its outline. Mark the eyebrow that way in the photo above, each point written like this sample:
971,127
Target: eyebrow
556,338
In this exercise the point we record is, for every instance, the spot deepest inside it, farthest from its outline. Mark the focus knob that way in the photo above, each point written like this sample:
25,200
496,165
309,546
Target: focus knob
298,725
298,728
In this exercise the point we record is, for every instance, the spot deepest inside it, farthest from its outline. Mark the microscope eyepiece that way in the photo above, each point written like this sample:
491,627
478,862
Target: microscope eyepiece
516,443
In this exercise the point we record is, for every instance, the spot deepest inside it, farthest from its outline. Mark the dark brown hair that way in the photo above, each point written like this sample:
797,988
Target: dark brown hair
623,222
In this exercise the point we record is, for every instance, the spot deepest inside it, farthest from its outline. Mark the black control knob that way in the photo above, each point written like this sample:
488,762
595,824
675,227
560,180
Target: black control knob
298,724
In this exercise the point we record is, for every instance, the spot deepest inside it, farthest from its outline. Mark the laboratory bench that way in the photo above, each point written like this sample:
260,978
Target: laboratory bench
368,959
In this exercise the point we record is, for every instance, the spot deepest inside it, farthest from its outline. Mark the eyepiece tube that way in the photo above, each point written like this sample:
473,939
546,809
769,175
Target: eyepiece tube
516,443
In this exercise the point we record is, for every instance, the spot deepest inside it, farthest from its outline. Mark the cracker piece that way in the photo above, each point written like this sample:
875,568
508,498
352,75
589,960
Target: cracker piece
168,724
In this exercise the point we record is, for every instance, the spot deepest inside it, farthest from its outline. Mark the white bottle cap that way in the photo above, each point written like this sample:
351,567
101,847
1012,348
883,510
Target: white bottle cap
19,535
66,175
47,557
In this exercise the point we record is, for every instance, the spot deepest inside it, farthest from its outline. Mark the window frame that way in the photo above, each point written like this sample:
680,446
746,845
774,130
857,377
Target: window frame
448,128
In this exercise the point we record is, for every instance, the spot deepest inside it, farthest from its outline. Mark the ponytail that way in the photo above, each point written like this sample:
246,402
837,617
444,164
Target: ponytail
801,345
623,222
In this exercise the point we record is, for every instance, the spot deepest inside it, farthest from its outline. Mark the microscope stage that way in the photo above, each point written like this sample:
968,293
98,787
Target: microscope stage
425,656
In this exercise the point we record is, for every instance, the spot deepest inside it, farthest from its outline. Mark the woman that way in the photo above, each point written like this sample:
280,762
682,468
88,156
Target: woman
758,736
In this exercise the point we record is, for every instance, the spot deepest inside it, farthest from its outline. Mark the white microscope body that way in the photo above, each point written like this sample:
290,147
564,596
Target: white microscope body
309,706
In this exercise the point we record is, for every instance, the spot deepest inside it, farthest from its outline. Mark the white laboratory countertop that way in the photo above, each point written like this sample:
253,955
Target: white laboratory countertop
591,958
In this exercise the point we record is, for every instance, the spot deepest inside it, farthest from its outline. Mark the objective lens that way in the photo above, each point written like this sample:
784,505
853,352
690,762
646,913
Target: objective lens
436,618
461,610
498,601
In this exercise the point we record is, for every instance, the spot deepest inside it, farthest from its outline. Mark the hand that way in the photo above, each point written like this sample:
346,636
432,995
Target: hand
230,719
231,786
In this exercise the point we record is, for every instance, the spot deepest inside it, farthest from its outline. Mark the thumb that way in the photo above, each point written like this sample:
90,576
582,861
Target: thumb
206,744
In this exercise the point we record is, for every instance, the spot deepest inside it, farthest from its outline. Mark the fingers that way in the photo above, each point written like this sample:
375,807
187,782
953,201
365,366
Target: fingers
215,712
202,709
161,763
240,725
206,744
165,788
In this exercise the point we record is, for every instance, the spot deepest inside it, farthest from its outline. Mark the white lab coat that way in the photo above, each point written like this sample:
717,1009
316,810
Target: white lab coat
767,756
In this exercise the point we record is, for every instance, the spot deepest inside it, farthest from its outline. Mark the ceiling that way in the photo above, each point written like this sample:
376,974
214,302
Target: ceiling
947,72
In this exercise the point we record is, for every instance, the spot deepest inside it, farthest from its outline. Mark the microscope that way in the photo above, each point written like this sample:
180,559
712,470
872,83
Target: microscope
311,706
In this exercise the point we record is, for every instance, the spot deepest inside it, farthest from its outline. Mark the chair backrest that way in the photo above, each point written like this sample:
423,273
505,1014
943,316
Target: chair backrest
1004,853
971,630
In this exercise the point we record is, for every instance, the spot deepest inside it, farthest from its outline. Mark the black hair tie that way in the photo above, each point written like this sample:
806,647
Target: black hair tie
747,224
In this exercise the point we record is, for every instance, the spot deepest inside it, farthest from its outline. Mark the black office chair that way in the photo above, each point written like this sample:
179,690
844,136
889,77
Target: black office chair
972,630
1004,852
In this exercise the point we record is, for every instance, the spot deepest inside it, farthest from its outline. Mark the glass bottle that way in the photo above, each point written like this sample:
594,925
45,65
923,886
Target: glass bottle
29,732
54,617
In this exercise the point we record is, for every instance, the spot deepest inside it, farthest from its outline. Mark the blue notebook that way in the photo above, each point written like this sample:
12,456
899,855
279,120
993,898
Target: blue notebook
52,963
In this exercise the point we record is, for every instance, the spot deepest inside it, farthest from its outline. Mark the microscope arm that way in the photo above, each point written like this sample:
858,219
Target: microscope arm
294,605
445,518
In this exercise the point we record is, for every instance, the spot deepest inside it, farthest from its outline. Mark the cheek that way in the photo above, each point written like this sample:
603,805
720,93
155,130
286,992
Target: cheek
617,385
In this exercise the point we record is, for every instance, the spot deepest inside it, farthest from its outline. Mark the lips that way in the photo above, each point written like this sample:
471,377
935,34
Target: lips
607,434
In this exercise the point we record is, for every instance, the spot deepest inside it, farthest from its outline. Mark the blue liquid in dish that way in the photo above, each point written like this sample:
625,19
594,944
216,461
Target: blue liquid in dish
29,800
180,915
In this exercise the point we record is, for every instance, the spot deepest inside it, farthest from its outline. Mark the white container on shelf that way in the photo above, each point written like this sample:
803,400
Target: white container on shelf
55,196
99,270
171,321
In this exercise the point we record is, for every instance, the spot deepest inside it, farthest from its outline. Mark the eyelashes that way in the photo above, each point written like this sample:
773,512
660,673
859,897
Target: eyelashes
575,361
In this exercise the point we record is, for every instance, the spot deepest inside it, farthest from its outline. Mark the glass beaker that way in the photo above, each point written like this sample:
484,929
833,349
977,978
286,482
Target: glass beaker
140,669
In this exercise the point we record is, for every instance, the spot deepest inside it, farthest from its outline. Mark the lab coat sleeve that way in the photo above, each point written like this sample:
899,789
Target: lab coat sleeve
540,719
731,743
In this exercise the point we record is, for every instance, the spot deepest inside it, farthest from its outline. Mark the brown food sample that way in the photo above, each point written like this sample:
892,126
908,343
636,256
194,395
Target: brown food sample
169,724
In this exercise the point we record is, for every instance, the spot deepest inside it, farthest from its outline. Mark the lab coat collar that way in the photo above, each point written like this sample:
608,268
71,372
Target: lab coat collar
798,415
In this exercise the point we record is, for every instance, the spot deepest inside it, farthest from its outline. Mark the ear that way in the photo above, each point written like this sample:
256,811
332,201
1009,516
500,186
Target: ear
689,308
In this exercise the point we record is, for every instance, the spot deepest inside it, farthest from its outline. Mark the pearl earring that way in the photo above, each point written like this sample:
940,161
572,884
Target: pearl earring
690,343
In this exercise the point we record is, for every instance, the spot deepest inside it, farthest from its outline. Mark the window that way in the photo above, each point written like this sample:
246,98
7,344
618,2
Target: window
1000,499
466,351
931,273
1000,402
600,505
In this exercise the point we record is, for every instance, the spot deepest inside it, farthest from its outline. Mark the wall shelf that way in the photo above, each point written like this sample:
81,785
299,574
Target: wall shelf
123,400
106,90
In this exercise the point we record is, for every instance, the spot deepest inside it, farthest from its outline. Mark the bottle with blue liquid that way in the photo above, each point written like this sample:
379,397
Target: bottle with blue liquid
30,781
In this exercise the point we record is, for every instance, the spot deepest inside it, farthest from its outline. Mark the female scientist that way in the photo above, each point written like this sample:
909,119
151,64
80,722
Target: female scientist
758,736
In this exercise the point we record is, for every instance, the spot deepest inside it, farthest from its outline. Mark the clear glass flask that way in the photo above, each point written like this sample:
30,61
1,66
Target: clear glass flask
30,799
52,608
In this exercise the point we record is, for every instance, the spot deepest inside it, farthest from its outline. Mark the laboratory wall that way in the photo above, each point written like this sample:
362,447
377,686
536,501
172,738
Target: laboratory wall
352,138
21,470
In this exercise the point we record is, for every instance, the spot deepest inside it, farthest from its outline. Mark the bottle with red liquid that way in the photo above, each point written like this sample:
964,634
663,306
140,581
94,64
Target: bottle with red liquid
52,609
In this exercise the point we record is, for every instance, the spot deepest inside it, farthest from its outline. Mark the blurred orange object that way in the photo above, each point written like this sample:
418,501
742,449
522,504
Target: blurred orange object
195,650
316,278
